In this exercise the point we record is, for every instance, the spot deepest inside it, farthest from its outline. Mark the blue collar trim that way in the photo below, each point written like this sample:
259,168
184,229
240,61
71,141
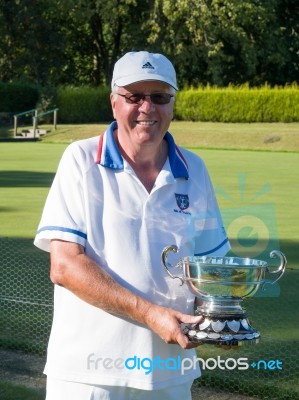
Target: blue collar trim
109,155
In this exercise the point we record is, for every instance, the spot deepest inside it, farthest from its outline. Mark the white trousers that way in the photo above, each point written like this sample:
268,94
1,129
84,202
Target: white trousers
63,390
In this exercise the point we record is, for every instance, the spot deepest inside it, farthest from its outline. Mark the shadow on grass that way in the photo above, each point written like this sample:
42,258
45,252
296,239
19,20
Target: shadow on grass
258,387
10,391
26,296
26,179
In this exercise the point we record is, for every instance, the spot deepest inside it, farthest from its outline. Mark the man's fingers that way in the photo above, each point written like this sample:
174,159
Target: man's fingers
183,341
191,319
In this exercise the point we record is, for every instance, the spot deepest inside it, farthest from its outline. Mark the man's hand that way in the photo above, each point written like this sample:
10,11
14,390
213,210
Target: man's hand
166,323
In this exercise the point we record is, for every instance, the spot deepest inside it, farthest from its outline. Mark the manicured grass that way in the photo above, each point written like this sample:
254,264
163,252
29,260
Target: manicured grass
27,169
252,180
26,172
254,136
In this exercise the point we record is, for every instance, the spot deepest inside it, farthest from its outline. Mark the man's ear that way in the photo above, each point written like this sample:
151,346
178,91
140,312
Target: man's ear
112,101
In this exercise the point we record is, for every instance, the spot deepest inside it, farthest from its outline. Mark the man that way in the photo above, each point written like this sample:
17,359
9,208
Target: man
114,205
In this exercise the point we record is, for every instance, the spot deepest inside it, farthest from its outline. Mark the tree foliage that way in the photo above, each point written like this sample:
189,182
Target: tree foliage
31,46
221,42
55,42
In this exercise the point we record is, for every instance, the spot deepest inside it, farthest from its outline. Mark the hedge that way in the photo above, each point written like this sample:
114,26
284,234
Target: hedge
18,96
239,104
83,104
231,104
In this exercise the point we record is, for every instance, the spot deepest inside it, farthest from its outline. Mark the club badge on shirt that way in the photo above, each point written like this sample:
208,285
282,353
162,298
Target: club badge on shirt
182,201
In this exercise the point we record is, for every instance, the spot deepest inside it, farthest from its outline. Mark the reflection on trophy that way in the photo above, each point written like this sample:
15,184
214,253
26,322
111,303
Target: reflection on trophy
220,284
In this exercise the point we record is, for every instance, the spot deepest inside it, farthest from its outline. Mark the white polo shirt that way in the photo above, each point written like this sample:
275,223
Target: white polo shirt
97,200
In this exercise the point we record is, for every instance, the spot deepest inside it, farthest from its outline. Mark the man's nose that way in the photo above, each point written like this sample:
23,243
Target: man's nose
147,104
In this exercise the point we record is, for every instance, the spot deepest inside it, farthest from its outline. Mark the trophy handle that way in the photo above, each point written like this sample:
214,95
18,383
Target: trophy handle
281,269
166,264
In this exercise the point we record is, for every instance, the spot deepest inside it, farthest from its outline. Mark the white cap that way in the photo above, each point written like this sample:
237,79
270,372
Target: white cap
143,66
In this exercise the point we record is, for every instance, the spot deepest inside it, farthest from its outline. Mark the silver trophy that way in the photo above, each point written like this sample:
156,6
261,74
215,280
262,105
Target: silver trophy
220,284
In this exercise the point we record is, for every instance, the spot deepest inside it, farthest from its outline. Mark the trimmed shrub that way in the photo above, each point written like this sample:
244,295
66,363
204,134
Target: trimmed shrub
83,104
239,104
18,96
231,104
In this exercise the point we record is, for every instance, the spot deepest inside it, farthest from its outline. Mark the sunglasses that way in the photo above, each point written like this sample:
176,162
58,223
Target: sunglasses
138,98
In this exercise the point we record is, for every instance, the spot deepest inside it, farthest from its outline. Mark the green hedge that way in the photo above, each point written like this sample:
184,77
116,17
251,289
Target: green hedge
83,104
18,96
239,104
231,104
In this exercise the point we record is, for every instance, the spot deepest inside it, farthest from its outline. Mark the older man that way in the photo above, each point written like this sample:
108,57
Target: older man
115,203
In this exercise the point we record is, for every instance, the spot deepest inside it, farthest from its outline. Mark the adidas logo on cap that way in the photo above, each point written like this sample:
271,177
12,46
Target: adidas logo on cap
148,65
140,66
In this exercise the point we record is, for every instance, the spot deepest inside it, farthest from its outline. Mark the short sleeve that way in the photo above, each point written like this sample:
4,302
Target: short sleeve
63,214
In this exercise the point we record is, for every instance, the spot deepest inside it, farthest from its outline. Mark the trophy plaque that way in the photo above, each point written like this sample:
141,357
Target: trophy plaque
220,284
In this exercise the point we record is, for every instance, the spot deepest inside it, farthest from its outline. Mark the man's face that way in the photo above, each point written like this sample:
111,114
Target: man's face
145,122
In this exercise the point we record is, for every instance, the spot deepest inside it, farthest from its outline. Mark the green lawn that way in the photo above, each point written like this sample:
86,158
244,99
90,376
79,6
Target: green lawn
263,185
27,169
254,136
26,172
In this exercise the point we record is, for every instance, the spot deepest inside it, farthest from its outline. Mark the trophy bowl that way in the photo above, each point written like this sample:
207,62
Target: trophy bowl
220,284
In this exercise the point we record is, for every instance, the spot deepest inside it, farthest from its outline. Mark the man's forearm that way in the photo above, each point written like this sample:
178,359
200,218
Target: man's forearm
74,270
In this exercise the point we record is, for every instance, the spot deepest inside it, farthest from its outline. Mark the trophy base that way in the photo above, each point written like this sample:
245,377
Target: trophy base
227,331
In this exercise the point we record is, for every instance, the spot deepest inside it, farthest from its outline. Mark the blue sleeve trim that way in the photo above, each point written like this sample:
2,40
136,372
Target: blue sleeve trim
212,250
62,229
